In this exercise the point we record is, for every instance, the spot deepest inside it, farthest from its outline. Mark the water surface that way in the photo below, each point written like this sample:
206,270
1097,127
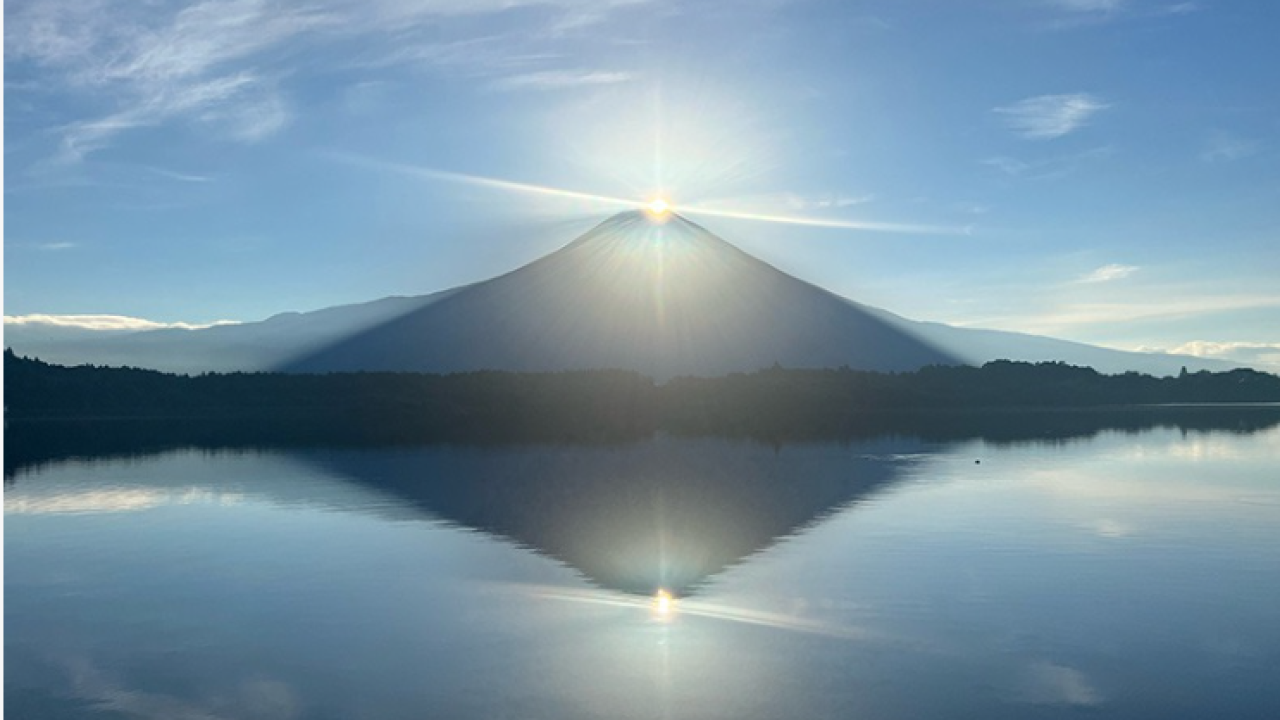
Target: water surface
1120,574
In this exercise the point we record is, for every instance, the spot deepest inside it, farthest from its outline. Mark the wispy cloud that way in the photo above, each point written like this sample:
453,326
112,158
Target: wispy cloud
1108,273
557,79
1051,167
104,323
180,176
1046,117
1071,14
223,63
1090,6
826,202
53,245
202,63
1223,146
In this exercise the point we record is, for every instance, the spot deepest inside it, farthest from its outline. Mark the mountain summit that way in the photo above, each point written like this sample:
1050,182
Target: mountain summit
663,297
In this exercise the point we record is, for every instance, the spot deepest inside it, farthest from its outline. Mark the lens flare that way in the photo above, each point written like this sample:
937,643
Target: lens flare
658,209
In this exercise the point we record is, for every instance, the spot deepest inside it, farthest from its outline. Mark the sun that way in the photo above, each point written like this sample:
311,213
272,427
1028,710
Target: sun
658,208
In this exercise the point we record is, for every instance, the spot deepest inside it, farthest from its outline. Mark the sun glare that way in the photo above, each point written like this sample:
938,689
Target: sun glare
663,604
658,207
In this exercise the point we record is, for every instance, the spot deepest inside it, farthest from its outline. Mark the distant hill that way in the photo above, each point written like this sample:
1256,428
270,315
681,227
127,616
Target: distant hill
662,299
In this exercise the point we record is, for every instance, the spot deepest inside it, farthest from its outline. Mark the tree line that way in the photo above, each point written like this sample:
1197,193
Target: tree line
594,404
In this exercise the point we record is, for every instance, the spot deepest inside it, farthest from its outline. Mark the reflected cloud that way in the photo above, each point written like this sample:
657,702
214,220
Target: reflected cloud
117,500
1047,683
250,699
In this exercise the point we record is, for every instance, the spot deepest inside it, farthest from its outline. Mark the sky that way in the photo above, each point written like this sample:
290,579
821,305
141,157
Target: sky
1096,170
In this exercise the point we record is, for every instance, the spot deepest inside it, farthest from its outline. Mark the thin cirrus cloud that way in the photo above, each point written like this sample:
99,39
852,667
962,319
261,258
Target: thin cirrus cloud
223,63
194,65
1108,273
1226,147
557,79
1090,5
1045,117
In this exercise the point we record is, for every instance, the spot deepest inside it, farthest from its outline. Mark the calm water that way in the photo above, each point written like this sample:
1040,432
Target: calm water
1132,575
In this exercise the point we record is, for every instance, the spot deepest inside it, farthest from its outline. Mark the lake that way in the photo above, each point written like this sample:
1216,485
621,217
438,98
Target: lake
1112,573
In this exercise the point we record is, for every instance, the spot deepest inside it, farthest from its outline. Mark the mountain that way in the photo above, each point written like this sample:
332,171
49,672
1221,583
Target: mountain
663,298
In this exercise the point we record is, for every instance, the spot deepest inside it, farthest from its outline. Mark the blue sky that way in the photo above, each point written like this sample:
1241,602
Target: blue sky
1097,170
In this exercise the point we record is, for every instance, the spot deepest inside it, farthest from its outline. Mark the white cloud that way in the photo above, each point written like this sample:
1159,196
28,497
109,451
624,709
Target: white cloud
1107,273
1050,116
1248,353
103,323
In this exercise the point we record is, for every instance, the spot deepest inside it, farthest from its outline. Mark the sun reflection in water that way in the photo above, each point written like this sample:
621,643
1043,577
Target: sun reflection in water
663,605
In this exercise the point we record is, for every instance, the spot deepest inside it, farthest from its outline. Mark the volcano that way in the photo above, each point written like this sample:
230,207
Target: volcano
663,297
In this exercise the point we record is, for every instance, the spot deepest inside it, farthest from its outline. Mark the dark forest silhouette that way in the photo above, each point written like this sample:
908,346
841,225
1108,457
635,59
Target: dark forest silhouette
996,400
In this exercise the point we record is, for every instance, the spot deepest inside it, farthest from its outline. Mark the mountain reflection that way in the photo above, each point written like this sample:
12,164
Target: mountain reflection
667,514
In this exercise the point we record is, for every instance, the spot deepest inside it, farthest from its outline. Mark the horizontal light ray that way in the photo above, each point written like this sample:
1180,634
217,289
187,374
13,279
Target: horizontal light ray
546,191
705,610
869,225
509,185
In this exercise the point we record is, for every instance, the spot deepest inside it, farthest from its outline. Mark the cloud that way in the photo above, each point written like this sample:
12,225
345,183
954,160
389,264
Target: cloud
1107,273
1224,146
1247,353
558,79
826,202
222,63
111,500
52,246
180,176
103,323
202,62
1071,316
1045,117
1045,168
1090,6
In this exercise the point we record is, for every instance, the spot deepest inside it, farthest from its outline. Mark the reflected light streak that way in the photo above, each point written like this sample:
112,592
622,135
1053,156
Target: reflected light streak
694,608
